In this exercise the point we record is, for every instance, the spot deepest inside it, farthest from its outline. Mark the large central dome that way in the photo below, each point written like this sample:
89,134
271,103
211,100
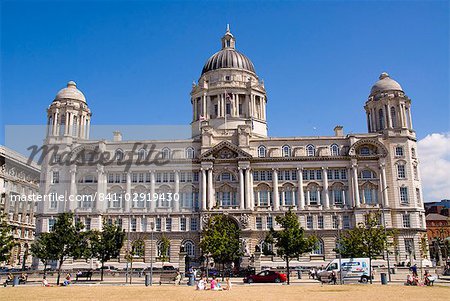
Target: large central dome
228,57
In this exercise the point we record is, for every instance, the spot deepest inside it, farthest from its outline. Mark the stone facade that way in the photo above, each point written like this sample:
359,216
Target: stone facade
230,166
17,179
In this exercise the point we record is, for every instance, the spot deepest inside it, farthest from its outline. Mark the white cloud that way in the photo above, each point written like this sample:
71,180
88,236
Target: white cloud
434,157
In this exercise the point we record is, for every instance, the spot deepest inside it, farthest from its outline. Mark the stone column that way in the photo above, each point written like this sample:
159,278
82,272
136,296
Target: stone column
73,188
276,196
247,188
410,118
389,121
210,189
350,189
252,193
402,116
343,196
55,124
203,189
153,200
355,185
325,188
308,197
383,184
88,128
175,200
97,205
127,197
241,189
301,194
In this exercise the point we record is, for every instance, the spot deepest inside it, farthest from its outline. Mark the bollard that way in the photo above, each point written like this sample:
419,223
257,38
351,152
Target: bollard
383,278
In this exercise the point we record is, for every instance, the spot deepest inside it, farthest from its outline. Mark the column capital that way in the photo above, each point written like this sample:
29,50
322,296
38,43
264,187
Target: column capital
300,168
354,165
324,167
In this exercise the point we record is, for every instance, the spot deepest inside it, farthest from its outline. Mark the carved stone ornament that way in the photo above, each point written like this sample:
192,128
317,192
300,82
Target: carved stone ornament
244,220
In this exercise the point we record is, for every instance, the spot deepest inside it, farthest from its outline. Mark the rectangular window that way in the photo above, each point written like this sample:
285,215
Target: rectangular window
183,224
269,222
319,174
51,224
309,222
134,177
143,224
133,225
404,196
55,177
399,151
158,177
168,224
305,174
269,175
343,174
87,224
320,222
312,174
287,175
158,224
148,177
346,222
409,246
194,224
262,175
418,196
141,178
110,178
401,171
335,222
165,178
337,197
228,108
195,176
124,178
182,177
336,174
294,175
259,223
406,220
330,174
171,177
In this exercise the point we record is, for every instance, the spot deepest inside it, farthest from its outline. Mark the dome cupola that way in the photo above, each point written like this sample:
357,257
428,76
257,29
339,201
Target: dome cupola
228,56
385,83
70,92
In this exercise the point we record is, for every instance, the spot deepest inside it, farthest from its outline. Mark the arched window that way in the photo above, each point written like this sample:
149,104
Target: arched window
319,248
364,151
159,250
189,153
286,149
189,247
381,119
142,154
262,151
393,117
310,150
334,150
166,153
119,155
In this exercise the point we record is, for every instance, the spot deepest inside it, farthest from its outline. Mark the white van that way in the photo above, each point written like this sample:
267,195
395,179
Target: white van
352,268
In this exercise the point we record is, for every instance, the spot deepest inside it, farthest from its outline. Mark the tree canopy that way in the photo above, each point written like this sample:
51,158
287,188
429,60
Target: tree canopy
291,241
7,241
220,239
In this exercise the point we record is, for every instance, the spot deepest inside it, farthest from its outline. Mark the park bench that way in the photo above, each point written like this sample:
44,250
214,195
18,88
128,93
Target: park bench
84,274
167,278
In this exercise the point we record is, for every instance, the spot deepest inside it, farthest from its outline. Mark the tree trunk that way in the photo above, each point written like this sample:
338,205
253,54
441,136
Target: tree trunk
288,271
45,268
103,268
131,270
59,271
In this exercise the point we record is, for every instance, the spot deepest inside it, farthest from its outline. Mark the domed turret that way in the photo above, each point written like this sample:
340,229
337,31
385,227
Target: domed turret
385,83
228,57
71,92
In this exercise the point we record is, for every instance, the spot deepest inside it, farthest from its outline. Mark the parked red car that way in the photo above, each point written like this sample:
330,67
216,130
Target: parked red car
266,276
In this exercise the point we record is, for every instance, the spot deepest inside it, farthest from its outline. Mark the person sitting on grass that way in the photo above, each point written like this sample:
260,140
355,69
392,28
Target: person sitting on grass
178,278
45,282
9,279
409,280
201,284
66,280
228,282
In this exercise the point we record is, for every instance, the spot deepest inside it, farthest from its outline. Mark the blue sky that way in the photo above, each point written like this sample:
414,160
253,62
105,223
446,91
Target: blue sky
135,61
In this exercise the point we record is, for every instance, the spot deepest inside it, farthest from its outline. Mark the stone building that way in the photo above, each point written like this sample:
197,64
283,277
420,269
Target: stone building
230,166
18,179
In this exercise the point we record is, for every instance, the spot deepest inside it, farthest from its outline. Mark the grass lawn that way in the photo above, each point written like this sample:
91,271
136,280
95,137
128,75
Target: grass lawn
247,292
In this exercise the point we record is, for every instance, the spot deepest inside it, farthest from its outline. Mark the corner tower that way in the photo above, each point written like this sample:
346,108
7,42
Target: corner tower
388,109
69,114
229,94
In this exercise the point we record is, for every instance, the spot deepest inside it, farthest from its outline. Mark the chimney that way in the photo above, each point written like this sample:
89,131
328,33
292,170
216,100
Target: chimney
339,131
117,136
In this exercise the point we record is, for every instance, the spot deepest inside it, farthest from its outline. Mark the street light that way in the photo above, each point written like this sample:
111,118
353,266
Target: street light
152,226
385,231
339,245
128,245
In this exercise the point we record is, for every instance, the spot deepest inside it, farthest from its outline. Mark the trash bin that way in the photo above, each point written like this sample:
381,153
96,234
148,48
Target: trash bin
383,278
191,281
299,274
147,279
15,281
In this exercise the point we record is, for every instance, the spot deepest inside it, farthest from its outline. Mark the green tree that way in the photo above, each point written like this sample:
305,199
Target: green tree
368,239
137,250
7,241
106,244
291,241
42,249
220,239
68,240
164,249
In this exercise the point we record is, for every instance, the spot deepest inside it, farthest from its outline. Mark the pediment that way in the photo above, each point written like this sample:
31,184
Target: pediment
225,150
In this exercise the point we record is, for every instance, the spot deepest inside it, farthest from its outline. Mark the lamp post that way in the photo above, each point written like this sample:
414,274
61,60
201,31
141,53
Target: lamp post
339,246
128,246
385,231
152,226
